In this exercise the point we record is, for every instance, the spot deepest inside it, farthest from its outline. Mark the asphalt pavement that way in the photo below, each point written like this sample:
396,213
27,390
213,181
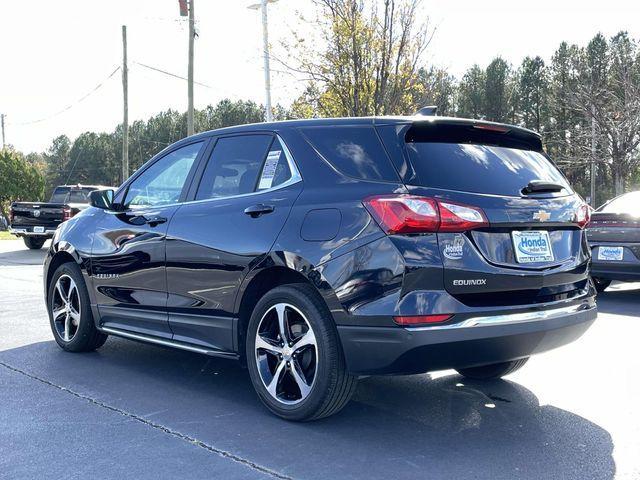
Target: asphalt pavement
132,410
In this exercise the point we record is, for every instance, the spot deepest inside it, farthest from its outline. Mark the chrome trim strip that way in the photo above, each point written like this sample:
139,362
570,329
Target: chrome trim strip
24,231
166,343
508,319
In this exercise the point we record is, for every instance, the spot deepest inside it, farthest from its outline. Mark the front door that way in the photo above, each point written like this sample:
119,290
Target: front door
128,254
242,202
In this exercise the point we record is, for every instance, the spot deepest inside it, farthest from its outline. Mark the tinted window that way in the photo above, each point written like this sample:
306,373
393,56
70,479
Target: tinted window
162,182
480,168
59,195
234,166
628,204
354,151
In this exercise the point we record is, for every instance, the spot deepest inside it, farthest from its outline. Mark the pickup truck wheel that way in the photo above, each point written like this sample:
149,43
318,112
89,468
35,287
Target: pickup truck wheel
295,357
34,243
493,371
601,283
70,314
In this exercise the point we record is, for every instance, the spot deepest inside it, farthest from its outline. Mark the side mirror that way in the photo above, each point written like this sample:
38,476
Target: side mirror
102,199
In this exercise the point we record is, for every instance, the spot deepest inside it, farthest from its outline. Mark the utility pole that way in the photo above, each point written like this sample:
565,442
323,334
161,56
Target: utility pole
265,45
593,156
192,33
4,144
125,97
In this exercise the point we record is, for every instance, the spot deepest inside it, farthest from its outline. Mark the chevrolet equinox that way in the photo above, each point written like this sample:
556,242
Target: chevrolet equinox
318,251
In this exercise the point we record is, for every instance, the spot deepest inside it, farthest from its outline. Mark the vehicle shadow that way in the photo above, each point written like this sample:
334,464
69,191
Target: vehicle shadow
620,299
13,252
395,427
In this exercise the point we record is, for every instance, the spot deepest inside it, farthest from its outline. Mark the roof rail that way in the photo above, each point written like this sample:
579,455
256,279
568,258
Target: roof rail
428,111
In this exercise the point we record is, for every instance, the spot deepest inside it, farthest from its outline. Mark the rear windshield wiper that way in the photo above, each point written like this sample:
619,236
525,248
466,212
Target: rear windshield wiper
540,186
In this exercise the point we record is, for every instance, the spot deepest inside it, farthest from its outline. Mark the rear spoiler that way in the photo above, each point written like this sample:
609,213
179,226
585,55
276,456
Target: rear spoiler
451,130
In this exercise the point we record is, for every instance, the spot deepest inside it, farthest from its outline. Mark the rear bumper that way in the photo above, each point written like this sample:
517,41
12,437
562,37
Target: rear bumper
627,269
611,271
28,232
475,341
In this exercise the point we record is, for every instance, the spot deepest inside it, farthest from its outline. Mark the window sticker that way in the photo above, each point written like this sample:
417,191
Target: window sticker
269,170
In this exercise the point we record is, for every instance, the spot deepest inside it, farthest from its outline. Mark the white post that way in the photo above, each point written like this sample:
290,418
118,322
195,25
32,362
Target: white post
190,129
125,109
267,71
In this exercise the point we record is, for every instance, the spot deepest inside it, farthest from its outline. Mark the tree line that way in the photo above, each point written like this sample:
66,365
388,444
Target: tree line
584,100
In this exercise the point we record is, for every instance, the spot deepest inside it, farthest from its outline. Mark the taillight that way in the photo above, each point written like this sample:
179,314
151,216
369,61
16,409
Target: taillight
457,218
414,320
583,215
413,214
11,215
66,214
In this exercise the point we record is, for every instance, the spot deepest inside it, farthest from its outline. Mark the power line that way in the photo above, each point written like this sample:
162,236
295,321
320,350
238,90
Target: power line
170,74
69,107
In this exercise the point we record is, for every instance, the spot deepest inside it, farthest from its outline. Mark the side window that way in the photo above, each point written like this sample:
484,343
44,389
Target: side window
234,167
354,151
275,170
162,182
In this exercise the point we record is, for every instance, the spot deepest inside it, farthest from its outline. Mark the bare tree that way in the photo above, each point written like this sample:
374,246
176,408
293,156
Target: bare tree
610,97
373,51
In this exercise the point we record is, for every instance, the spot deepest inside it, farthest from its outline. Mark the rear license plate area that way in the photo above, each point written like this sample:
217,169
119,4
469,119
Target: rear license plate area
38,229
532,246
610,254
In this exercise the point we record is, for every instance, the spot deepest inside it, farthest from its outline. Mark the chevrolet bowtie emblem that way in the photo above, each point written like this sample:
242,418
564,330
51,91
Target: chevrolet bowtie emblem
541,215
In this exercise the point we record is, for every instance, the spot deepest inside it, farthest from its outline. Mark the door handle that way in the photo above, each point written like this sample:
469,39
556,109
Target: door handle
153,221
254,211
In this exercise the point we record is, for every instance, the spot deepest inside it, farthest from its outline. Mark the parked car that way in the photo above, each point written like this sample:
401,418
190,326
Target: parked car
614,236
35,222
317,251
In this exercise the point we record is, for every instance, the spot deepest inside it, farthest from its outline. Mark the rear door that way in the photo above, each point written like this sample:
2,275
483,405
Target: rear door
239,205
532,243
128,254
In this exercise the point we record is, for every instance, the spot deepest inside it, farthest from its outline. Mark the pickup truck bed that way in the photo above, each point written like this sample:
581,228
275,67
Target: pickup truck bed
36,222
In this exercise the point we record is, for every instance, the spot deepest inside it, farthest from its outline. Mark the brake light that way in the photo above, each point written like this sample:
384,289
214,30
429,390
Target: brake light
414,320
11,215
66,214
414,214
583,215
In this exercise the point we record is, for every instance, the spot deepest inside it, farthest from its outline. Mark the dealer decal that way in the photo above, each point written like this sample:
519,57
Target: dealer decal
453,251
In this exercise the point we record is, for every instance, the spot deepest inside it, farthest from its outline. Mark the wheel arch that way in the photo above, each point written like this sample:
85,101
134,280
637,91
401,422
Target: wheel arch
275,271
58,258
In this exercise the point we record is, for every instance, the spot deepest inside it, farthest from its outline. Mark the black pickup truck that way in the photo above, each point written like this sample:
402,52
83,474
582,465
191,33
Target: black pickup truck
35,222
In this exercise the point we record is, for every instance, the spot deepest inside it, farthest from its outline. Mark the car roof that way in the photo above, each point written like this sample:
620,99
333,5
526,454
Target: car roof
344,121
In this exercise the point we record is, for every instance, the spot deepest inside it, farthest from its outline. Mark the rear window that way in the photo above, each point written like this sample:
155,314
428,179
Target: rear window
626,204
59,195
478,168
353,151
79,195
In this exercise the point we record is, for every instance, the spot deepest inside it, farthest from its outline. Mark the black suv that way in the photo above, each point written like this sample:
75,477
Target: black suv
317,251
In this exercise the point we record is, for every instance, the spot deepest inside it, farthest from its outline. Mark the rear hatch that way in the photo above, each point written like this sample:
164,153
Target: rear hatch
528,245
614,230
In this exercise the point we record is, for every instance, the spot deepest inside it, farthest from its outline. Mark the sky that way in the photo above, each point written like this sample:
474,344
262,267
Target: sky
55,53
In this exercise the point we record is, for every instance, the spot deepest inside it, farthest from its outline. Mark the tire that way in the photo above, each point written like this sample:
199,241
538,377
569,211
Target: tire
74,329
493,371
601,283
34,243
331,385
